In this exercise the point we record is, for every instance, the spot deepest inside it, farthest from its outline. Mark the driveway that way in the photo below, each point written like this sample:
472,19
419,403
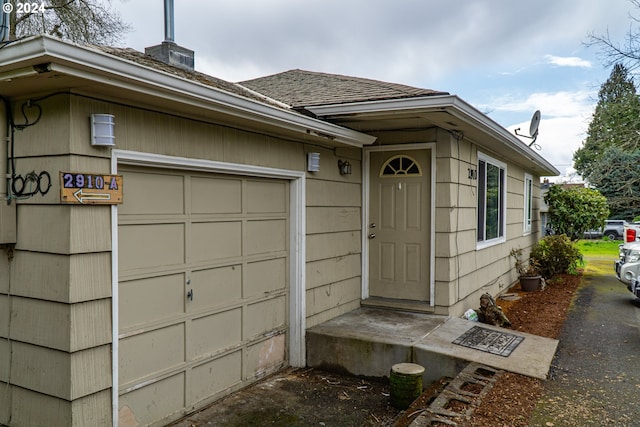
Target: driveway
595,375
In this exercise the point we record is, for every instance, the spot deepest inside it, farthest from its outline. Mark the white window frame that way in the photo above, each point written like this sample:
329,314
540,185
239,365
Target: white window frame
528,203
482,241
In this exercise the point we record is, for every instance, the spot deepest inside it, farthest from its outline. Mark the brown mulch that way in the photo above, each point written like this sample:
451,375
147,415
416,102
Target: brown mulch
513,398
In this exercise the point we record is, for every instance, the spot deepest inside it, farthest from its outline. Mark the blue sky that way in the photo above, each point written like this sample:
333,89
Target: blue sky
508,58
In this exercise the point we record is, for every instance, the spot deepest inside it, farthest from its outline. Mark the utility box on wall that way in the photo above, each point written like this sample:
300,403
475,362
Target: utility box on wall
8,222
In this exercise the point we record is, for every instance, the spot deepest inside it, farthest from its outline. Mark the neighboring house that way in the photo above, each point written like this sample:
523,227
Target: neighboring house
225,248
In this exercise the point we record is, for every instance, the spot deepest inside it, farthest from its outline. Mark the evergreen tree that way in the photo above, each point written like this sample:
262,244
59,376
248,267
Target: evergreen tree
79,21
613,139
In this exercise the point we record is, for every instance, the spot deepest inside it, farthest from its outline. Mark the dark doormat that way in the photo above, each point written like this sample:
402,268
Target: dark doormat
489,341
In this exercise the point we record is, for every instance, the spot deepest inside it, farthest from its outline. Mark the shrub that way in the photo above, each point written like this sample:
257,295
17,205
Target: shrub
555,255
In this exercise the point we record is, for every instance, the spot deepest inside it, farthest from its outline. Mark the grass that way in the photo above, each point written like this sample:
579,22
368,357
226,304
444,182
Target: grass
599,248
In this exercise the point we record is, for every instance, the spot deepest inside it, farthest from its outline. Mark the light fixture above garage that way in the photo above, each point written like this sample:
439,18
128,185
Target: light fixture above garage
103,130
313,162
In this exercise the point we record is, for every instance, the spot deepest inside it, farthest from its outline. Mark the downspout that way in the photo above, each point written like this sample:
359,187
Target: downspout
5,22
4,154
4,142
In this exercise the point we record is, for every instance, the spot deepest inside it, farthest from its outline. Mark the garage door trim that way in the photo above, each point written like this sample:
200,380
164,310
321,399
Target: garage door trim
297,255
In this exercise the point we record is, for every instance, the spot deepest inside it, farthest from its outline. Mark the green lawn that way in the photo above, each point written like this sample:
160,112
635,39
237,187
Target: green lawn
599,248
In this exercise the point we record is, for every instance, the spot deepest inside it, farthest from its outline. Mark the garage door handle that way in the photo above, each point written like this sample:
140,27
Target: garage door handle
372,236
190,295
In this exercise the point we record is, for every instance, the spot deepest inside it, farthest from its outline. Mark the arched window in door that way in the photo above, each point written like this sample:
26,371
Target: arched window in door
400,165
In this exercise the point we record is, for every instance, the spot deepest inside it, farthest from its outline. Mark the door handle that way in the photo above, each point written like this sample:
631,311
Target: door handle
372,236
190,295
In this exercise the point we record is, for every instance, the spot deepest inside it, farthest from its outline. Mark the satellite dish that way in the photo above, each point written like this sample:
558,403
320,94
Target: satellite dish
535,122
533,129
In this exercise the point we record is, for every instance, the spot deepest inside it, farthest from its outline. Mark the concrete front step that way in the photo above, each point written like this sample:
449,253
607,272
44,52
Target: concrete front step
369,341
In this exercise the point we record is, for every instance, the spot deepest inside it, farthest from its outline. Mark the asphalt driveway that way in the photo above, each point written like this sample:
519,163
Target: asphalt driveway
595,375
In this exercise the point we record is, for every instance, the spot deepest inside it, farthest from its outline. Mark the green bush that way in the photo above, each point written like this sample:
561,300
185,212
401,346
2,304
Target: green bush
555,255
636,219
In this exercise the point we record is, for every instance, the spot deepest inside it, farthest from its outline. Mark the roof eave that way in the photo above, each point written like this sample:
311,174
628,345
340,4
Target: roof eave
97,66
450,104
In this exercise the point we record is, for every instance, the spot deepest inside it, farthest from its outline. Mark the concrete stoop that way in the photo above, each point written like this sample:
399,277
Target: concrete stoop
456,401
369,341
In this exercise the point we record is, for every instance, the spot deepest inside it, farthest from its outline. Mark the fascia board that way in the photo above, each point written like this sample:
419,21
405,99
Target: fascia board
451,104
97,66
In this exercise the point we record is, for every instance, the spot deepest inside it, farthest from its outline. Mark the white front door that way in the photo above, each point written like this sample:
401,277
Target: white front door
399,224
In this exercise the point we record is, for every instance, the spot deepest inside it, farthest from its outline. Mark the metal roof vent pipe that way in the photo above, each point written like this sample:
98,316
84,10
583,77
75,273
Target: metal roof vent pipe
169,52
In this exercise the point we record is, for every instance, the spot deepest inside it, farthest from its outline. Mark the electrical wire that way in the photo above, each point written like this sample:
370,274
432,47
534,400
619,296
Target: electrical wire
32,183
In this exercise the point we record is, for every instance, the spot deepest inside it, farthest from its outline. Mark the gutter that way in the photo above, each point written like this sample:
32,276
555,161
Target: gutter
96,66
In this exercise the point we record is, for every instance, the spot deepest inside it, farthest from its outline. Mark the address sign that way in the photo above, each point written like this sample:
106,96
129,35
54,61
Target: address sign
90,188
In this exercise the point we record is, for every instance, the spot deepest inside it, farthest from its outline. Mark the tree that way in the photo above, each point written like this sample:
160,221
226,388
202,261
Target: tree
612,52
80,21
612,139
574,210
618,179
613,123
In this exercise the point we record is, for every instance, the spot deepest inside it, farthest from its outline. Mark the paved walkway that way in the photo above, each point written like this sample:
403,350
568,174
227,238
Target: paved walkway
595,376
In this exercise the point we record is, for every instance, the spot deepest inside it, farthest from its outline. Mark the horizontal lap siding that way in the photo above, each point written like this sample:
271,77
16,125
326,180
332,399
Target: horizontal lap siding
463,272
334,255
62,261
60,353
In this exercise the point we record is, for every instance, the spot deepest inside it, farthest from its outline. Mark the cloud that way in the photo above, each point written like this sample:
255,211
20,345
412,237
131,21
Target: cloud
568,61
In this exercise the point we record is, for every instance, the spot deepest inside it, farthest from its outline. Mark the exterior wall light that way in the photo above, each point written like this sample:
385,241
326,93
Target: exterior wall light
103,130
345,167
313,162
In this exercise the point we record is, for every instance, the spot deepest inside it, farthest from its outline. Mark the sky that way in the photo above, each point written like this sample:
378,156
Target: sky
507,58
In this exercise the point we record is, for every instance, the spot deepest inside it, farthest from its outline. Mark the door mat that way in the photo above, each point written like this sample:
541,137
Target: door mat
489,341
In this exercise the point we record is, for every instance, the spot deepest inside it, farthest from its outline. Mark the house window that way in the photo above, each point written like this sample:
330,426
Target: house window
400,165
528,202
491,200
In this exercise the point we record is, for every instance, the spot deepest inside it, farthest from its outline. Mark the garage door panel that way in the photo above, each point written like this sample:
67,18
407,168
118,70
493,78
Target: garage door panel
216,376
216,195
264,317
267,236
151,352
153,194
150,245
203,288
266,197
151,299
216,332
264,277
152,403
211,241
215,287
266,355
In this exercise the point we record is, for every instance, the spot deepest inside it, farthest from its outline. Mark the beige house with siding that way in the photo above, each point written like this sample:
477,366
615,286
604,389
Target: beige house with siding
250,212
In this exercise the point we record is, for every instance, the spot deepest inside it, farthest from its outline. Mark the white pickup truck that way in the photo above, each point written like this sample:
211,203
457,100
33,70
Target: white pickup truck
627,267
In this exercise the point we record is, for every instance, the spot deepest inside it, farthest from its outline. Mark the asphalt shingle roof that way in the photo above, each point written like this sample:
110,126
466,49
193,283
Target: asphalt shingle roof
295,89
150,62
299,88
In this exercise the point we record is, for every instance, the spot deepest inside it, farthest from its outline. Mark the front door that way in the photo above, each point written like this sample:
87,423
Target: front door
399,224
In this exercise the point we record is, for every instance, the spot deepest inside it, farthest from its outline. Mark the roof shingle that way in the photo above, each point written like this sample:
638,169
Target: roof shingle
300,88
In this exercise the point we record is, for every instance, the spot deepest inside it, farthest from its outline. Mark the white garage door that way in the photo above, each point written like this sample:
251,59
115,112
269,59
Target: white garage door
203,262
